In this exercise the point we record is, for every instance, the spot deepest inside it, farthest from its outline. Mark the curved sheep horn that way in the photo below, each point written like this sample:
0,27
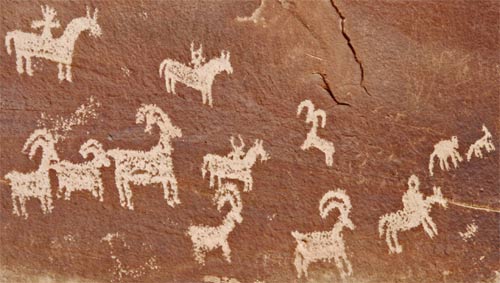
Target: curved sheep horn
305,104
335,199
90,146
37,134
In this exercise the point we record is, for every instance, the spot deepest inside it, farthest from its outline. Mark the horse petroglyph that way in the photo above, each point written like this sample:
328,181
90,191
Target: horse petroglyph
85,176
236,165
199,75
59,50
148,167
415,212
34,184
443,150
312,139
484,142
207,238
326,245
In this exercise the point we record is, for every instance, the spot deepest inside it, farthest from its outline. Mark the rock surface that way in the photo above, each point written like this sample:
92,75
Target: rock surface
393,77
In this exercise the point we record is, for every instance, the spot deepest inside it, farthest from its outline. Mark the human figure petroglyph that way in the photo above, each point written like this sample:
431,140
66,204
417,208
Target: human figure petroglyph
485,142
84,176
34,184
444,150
312,139
326,245
48,22
208,238
415,212
200,76
233,166
148,167
59,50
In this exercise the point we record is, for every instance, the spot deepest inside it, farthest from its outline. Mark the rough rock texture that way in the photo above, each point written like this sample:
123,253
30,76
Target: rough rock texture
393,77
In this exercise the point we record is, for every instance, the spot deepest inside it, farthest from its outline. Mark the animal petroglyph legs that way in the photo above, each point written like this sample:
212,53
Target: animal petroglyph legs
19,64
29,70
445,150
415,212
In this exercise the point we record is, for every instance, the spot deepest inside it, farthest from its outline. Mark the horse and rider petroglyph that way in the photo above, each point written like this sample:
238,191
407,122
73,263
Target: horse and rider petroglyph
415,212
59,50
199,75
236,165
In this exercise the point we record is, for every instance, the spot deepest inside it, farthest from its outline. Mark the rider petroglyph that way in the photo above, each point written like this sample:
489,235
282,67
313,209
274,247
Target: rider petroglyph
60,50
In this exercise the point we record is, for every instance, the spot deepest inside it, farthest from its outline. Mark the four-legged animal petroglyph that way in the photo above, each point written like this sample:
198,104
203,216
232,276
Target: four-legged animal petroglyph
59,50
415,212
148,167
35,184
207,238
234,166
85,176
199,77
443,150
484,142
326,245
312,139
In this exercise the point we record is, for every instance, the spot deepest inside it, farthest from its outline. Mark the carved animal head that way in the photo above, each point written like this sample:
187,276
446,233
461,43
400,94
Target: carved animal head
228,193
41,138
152,114
311,115
340,200
91,22
225,64
94,147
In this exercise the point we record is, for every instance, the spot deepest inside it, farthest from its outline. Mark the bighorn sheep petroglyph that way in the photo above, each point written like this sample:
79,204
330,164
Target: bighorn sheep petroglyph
148,167
237,165
207,238
199,77
84,176
59,50
415,212
443,150
312,139
484,142
326,245
34,184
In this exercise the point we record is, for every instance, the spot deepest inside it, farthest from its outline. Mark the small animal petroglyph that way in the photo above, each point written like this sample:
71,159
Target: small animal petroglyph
312,139
236,165
122,270
256,16
85,176
326,245
207,238
59,50
443,150
200,76
415,212
148,167
34,184
469,233
484,142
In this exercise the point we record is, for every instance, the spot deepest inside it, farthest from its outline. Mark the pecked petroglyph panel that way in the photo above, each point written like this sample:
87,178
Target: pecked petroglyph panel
193,141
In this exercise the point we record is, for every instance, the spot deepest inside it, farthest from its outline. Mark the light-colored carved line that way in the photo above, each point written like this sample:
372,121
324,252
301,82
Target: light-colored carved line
473,206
